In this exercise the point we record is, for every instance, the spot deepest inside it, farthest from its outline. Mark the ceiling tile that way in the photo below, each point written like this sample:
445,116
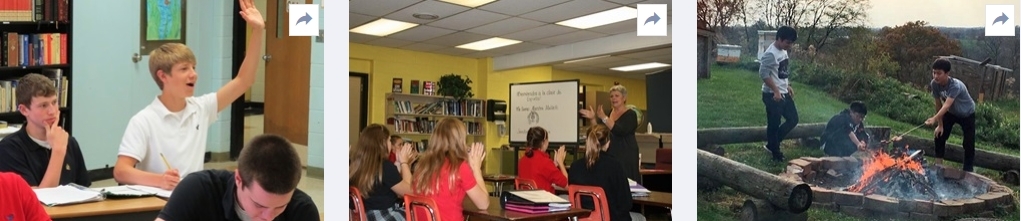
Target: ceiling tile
420,33
423,47
518,48
361,38
666,59
481,54
569,38
379,8
655,2
618,63
624,2
569,10
617,27
649,53
431,7
518,7
358,20
599,60
539,32
453,51
390,42
506,26
455,39
469,19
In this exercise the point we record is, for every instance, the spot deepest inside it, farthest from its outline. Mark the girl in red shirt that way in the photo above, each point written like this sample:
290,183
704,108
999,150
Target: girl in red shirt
448,170
537,166
396,141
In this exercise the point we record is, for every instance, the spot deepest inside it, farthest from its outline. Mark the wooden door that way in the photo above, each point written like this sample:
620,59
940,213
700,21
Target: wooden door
286,76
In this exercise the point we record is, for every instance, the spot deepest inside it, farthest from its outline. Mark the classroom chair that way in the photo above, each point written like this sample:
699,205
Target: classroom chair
525,184
601,212
358,214
414,203
664,158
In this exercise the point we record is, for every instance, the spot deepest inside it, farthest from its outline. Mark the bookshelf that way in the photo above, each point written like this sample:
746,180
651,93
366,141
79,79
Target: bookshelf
35,36
413,116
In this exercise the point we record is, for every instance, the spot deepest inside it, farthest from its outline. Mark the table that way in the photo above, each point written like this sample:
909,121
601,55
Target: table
498,181
654,172
655,198
496,212
144,208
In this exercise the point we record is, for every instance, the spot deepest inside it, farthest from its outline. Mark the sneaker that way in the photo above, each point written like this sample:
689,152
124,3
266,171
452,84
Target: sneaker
766,148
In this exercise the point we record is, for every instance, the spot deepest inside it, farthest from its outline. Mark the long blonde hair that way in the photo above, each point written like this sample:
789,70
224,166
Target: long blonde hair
366,170
446,146
598,136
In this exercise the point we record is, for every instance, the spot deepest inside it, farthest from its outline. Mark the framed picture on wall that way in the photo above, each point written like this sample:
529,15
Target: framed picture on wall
162,21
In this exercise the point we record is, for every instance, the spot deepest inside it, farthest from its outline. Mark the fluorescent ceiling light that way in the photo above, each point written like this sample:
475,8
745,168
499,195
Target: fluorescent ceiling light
383,27
586,59
469,3
488,44
601,18
640,66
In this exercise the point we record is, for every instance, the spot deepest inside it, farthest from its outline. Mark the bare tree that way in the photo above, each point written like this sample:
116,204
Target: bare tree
719,14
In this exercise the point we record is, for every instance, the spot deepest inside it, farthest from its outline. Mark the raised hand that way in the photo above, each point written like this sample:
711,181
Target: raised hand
251,14
601,113
404,153
561,155
587,113
476,155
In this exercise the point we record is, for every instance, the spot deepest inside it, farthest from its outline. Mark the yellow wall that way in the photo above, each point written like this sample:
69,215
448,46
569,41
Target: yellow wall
383,64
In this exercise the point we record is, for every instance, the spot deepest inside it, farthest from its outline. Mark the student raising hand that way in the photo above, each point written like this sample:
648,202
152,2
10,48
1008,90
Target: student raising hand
476,154
251,14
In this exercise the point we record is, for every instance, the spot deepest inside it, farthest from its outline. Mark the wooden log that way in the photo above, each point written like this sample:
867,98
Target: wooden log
954,152
732,135
1011,177
761,210
788,195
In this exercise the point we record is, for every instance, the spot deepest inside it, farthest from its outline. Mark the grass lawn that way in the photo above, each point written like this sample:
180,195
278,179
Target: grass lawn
732,98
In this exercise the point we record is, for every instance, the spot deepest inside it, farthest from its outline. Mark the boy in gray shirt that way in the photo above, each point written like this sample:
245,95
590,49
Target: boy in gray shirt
953,106
777,94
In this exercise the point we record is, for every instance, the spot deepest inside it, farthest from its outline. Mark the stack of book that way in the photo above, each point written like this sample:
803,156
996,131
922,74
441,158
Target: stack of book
637,190
534,201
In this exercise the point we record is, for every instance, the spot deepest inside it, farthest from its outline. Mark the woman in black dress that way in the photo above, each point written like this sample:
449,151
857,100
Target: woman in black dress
622,122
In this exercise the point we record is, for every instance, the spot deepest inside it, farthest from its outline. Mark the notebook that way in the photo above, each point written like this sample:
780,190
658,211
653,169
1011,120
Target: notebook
67,194
159,192
537,197
637,189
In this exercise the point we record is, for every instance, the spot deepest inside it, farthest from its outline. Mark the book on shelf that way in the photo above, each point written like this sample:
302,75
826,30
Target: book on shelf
462,108
425,125
415,87
33,49
398,85
34,10
67,194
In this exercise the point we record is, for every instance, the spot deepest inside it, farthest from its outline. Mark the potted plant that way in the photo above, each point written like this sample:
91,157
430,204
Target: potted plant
455,86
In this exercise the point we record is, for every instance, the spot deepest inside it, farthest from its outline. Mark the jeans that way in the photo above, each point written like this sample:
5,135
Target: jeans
968,129
775,132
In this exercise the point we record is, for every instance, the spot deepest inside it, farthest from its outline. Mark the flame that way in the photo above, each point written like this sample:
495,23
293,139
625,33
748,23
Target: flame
881,161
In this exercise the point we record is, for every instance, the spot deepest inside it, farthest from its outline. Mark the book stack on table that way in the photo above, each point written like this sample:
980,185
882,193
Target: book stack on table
534,201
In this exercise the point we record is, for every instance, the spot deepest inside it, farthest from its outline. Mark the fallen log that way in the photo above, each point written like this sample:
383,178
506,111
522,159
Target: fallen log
795,197
732,135
954,152
761,210
1011,177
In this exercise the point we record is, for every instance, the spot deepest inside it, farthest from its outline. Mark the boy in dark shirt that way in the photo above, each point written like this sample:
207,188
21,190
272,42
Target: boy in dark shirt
42,152
845,132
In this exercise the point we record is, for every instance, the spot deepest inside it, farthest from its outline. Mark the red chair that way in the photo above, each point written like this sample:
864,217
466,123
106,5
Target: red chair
601,212
663,158
415,203
358,214
525,184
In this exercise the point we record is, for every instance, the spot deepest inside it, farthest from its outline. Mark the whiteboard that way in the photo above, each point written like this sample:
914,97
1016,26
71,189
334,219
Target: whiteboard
552,105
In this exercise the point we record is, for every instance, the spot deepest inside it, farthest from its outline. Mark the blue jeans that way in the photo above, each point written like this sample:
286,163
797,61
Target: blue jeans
775,132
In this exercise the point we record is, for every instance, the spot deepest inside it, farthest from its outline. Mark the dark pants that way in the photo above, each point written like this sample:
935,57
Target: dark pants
840,148
968,129
775,132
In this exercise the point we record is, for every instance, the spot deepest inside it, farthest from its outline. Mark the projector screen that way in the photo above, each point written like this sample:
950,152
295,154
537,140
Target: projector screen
552,105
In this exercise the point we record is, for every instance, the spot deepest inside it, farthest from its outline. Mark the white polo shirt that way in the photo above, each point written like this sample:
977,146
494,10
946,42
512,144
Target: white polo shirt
181,136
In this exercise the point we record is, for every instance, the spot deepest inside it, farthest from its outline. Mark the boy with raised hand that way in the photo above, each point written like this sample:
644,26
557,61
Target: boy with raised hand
166,140
263,187
42,152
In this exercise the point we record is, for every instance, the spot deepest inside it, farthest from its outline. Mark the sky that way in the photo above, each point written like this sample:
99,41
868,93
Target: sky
947,13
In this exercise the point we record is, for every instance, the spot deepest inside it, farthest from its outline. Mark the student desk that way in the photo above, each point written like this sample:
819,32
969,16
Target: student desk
496,212
145,208
498,181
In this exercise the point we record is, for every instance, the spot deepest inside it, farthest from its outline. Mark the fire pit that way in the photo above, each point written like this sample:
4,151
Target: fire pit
897,184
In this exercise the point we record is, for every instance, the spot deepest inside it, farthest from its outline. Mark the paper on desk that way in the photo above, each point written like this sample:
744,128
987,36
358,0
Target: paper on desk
159,192
635,187
540,196
65,194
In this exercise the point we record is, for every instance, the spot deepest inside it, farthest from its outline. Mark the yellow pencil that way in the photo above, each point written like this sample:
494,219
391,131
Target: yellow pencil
165,161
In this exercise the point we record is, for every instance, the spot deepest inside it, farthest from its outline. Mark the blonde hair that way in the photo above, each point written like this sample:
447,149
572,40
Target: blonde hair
446,147
619,88
598,136
165,57
366,170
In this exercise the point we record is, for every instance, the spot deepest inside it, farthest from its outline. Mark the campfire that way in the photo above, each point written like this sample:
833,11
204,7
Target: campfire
896,183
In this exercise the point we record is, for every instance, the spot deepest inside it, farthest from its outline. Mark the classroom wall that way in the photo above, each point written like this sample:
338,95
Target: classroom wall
315,101
99,129
635,87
